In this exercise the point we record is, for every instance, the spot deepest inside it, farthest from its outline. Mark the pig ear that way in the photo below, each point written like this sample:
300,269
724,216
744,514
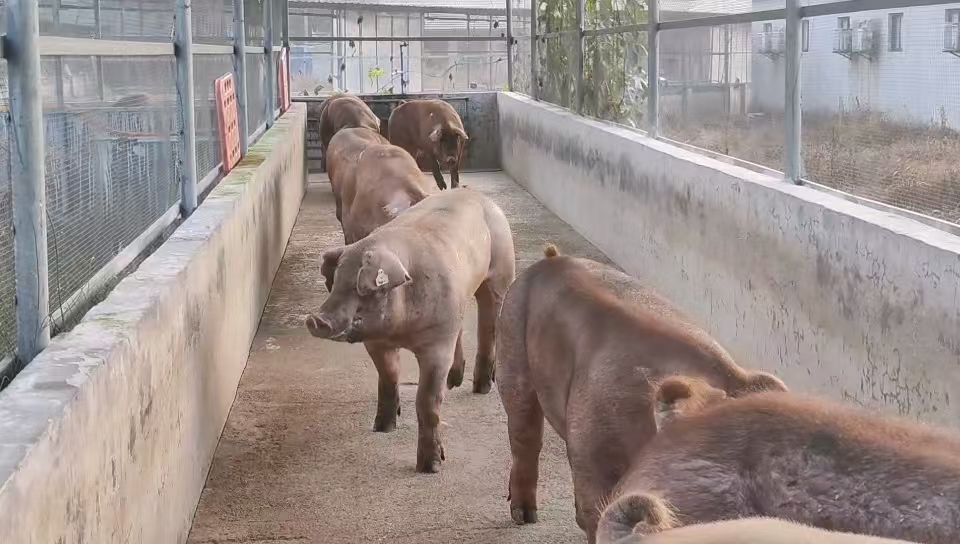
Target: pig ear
436,134
328,265
462,134
758,382
678,395
381,272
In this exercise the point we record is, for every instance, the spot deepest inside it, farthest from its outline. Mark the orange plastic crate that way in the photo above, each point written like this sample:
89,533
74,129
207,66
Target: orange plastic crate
228,122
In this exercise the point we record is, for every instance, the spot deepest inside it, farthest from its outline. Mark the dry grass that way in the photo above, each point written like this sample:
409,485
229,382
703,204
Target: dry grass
863,153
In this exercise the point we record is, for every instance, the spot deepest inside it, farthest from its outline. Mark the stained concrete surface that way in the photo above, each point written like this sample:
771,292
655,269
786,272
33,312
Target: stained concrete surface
298,461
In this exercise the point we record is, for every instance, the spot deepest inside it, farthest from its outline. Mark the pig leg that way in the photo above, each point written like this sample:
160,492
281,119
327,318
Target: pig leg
455,376
435,362
592,481
387,361
455,177
525,428
489,301
437,175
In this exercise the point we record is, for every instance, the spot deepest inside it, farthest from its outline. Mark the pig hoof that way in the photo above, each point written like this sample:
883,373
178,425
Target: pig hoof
455,377
428,466
398,410
481,388
523,515
384,425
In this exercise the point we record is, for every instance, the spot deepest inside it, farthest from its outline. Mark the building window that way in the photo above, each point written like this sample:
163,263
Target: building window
767,28
896,32
953,16
843,23
805,35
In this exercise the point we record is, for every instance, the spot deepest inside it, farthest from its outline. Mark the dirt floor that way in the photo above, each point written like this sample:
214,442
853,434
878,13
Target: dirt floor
298,461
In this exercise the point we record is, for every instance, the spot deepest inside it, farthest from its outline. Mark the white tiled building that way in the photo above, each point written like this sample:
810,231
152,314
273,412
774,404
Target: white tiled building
904,63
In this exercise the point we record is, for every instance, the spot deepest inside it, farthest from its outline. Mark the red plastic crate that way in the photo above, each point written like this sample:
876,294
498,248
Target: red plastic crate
228,122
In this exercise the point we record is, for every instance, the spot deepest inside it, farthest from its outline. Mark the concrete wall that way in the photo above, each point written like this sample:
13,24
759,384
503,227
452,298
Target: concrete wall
834,297
107,436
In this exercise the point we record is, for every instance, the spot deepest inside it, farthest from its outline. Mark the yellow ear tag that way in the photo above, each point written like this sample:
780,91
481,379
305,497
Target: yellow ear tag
381,278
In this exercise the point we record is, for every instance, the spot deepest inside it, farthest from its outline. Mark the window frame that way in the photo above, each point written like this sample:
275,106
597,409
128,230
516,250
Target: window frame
895,33
805,35
843,23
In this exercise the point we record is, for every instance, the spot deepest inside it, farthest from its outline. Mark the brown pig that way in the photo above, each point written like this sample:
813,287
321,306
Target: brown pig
407,285
385,183
344,150
343,111
754,531
790,457
579,344
433,133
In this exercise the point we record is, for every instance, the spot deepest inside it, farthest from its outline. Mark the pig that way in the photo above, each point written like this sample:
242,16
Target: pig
343,111
344,150
433,133
579,344
406,285
386,181
790,457
754,531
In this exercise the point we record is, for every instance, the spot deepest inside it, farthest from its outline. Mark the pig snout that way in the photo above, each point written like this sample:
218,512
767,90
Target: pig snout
323,326
451,161
320,327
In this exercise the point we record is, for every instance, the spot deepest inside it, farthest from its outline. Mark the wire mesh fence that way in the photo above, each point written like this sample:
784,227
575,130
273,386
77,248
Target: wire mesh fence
253,21
212,21
113,140
8,309
707,98
522,35
881,106
110,165
206,70
880,89
256,92
362,55
615,78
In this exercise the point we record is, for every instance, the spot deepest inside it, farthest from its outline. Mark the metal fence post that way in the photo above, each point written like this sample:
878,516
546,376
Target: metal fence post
285,22
22,50
285,36
183,44
653,69
271,69
793,167
509,45
98,25
240,71
534,86
581,7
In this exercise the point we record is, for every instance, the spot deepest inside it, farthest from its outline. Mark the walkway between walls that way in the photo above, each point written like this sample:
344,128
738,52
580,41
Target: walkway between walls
298,461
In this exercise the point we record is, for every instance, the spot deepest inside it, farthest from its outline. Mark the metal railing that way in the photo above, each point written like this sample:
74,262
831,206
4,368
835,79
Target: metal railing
95,180
781,47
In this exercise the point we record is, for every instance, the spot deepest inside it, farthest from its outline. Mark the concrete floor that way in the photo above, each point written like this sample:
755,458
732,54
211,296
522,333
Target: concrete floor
298,461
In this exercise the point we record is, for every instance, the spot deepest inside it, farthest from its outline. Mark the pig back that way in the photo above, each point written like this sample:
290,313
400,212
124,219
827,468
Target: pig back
628,289
817,462
459,235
